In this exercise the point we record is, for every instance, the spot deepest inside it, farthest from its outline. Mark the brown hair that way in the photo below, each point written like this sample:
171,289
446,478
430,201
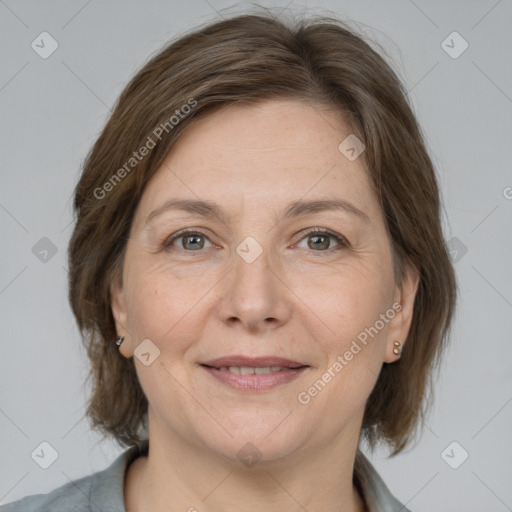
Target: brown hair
246,59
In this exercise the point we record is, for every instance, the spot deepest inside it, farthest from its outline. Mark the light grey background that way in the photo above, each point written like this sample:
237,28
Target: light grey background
53,109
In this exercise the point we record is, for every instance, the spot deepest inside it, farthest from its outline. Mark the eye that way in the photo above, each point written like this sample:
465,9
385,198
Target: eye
319,240
191,240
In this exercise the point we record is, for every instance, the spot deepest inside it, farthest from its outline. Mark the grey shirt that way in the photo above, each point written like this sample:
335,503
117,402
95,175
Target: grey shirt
104,491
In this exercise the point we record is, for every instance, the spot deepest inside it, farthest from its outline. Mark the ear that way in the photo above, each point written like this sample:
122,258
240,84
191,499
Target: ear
401,323
119,312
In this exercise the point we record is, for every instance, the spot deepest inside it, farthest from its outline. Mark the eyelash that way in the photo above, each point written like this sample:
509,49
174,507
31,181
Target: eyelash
343,243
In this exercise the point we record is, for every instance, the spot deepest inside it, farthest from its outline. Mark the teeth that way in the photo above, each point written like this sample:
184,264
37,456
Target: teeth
246,370
249,370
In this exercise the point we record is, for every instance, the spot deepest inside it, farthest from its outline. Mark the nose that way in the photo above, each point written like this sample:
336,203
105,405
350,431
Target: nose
255,294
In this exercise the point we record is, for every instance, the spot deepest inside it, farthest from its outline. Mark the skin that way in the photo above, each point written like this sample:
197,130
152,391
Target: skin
296,300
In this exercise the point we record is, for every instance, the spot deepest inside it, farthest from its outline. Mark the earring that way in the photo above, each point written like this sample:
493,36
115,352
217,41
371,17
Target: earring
119,340
398,348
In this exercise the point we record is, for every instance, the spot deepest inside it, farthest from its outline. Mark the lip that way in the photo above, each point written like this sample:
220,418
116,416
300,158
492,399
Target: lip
290,370
256,382
253,362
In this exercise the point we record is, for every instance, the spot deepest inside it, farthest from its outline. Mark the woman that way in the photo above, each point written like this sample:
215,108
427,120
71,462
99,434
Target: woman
259,274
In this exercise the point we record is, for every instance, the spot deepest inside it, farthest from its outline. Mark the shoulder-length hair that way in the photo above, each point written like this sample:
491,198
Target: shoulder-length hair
248,59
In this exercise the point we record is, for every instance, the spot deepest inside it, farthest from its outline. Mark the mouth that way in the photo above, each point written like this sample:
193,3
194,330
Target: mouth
254,374
249,370
239,361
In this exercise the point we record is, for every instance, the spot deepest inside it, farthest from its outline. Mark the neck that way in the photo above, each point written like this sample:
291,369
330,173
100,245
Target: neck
192,480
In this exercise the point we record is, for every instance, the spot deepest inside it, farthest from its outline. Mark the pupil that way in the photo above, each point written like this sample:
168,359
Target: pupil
324,245
194,244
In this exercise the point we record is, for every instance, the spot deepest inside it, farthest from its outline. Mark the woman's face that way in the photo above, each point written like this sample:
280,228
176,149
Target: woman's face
250,280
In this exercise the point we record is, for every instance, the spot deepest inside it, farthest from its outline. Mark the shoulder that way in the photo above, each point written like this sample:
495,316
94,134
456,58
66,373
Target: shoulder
103,491
72,496
376,494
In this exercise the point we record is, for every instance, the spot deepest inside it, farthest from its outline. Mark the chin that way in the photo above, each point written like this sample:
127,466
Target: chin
262,444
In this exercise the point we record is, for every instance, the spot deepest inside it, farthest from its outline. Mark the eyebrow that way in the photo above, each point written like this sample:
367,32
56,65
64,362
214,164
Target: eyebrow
209,209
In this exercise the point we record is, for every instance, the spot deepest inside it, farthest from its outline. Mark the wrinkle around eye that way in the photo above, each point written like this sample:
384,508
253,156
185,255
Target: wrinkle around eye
160,238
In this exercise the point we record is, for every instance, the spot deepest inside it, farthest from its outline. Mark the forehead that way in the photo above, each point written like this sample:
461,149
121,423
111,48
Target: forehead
262,155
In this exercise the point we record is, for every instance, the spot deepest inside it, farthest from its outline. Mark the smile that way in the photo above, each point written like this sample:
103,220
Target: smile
247,378
248,370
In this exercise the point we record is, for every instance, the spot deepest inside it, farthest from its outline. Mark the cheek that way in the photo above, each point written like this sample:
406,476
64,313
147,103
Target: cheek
162,303
153,305
347,306
348,296
352,343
